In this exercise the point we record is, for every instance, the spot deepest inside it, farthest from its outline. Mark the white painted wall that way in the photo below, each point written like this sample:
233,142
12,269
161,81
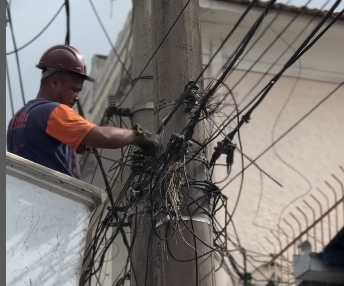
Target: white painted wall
304,159
301,162
47,216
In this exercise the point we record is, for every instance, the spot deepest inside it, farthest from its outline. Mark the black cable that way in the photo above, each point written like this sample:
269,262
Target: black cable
278,156
272,136
107,247
108,38
157,49
192,227
67,40
95,151
81,112
235,56
271,44
39,34
16,52
180,101
147,260
134,234
248,50
281,55
107,185
277,61
301,50
109,218
121,87
108,188
96,167
242,177
97,228
152,181
286,132
9,87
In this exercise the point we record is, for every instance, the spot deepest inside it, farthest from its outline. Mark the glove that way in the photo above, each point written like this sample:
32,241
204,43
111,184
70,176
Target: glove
148,143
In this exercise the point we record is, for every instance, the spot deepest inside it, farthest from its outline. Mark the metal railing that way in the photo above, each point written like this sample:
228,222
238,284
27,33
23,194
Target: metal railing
318,231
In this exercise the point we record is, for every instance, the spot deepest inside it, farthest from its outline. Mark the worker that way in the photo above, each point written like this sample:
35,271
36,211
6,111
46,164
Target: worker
48,131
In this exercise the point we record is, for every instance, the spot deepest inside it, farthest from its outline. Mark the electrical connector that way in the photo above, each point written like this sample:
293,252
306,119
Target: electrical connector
192,97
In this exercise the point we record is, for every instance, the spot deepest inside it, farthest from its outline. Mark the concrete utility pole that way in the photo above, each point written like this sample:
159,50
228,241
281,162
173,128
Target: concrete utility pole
178,61
142,102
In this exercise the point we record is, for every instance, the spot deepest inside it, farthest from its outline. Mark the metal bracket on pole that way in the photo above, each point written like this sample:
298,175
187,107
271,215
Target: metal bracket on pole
197,158
142,106
164,103
126,112
167,103
167,218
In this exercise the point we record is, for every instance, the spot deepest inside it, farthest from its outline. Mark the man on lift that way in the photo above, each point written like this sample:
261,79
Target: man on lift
48,131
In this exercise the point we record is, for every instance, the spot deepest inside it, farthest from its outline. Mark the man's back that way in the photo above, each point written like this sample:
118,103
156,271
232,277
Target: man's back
31,135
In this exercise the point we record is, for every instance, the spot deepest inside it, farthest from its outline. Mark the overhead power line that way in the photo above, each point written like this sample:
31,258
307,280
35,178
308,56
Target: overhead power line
288,131
67,41
39,34
155,52
180,101
109,39
16,51
9,87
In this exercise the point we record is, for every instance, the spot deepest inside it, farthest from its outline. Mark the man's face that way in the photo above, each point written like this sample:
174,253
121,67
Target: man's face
67,89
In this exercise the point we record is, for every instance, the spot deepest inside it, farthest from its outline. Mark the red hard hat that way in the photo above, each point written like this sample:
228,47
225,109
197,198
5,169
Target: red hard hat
64,57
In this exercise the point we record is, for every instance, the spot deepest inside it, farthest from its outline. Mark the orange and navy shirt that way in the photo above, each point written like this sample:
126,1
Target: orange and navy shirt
48,133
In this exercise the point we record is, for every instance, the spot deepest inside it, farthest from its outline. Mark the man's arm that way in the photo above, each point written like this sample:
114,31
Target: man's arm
67,126
110,137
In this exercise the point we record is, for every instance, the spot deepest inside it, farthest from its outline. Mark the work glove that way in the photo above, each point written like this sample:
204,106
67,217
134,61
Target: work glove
148,143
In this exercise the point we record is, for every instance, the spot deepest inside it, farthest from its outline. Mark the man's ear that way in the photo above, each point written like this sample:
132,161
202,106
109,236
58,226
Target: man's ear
54,82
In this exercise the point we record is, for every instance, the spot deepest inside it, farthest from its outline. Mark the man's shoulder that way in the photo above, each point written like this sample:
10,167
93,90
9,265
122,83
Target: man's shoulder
41,106
43,103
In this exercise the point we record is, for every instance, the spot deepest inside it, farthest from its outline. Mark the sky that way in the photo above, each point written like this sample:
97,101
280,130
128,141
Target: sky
30,17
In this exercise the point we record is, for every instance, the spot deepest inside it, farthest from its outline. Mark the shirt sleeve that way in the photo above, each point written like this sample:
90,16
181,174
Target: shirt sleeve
67,126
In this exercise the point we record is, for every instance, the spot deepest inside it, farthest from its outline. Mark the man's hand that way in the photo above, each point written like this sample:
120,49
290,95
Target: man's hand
148,143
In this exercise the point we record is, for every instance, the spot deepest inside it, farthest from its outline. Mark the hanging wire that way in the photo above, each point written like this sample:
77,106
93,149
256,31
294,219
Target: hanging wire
9,87
10,20
39,34
159,187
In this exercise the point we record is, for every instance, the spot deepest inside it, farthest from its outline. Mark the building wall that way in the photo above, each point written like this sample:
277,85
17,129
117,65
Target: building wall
304,158
301,161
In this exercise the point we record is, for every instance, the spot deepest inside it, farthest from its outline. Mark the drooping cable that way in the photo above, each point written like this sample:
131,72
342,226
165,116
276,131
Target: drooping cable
39,34
67,40
108,38
10,20
288,131
180,101
152,185
154,53
9,87
300,51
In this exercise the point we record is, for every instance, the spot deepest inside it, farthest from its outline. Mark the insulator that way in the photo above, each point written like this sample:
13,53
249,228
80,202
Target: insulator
112,101
137,162
112,107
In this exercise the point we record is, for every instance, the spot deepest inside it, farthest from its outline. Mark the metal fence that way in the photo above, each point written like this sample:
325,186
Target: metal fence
308,228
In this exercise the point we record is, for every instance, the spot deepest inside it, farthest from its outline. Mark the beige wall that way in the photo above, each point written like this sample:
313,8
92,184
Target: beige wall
301,161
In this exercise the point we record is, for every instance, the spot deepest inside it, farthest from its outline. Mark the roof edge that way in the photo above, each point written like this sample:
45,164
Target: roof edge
287,8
